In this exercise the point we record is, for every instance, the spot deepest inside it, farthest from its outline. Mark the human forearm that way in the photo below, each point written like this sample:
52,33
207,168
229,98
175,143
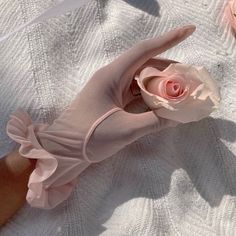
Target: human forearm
14,174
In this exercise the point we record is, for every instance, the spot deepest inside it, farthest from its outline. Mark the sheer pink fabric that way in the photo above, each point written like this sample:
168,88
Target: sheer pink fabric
230,12
94,127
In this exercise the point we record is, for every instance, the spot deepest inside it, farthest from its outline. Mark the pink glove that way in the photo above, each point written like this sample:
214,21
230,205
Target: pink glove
94,127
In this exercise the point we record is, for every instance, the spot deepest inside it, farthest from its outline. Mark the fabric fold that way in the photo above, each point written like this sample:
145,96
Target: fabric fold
54,176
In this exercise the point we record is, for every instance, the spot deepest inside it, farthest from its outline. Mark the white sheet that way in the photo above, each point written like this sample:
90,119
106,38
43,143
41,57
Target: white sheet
177,182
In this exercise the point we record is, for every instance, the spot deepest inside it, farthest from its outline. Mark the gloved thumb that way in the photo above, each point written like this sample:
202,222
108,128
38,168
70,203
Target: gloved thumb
147,123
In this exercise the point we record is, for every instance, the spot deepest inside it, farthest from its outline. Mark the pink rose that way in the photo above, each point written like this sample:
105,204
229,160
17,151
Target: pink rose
231,13
183,93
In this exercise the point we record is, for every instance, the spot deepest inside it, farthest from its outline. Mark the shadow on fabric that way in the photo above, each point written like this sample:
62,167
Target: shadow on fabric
208,165
149,6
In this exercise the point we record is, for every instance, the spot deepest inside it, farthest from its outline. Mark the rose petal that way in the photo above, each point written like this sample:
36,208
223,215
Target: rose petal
180,81
186,71
156,86
201,92
193,111
148,97
149,72
180,68
154,101
170,70
200,96
211,84
173,89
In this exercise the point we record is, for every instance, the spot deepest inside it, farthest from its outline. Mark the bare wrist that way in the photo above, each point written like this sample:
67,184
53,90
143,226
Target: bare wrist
16,164
14,176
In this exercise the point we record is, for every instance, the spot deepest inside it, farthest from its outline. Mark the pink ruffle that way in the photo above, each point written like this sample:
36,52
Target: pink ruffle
230,16
54,176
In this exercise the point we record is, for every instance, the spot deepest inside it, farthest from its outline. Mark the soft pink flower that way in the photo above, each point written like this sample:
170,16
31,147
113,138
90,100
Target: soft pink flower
231,14
183,93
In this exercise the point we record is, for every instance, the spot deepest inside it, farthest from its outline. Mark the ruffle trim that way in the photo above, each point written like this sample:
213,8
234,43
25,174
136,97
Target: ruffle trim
45,191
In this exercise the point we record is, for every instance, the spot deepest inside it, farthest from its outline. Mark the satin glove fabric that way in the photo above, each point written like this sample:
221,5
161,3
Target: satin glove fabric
94,127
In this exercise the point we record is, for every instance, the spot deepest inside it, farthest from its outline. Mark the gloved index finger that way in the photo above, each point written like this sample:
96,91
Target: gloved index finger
127,63
157,62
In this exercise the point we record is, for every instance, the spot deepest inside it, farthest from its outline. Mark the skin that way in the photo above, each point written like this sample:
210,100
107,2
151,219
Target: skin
14,175
15,169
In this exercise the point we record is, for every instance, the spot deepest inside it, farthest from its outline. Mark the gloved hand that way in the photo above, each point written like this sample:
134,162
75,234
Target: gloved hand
94,127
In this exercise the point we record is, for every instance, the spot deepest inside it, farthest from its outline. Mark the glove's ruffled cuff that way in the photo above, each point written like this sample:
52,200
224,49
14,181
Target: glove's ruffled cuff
54,176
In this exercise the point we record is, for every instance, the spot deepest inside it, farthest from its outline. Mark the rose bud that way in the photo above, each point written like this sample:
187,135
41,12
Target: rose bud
182,93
